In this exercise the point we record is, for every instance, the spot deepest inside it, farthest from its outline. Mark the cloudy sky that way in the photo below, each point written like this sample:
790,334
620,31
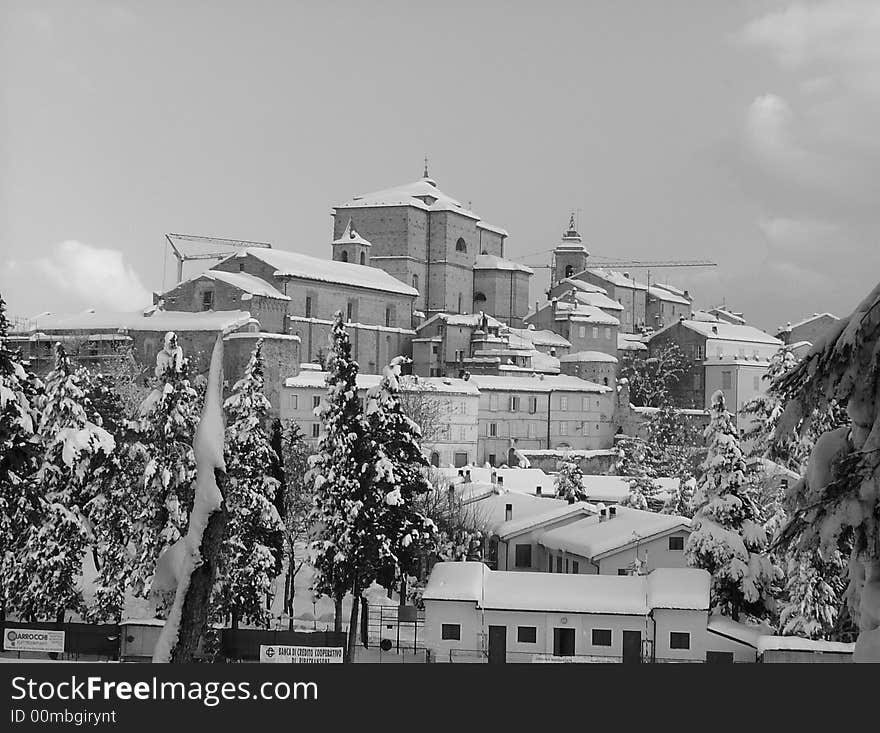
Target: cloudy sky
744,132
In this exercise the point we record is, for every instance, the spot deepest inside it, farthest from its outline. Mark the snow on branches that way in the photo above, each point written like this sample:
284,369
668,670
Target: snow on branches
569,483
727,538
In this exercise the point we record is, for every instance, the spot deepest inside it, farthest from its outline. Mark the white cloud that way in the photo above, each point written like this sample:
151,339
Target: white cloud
97,277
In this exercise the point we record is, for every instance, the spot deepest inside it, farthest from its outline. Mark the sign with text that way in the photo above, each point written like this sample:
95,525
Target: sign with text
33,640
277,653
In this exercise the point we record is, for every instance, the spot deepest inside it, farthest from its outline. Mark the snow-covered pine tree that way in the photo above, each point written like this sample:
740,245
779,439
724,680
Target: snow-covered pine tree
569,483
339,474
838,500
813,591
727,538
167,424
19,453
401,475
250,555
681,498
632,462
45,580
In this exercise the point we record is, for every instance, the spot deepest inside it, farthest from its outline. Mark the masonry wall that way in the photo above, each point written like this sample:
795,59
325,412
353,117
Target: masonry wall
507,294
280,360
600,372
690,390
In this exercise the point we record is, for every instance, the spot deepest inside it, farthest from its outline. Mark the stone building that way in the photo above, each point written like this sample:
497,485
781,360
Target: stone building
665,304
806,330
569,256
585,327
432,242
594,366
631,294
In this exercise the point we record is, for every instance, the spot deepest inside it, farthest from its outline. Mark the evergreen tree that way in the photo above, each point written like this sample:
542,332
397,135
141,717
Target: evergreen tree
344,510
651,377
633,462
250,556
401,476
19,454
569,483
680,500
168,418
764,411
727,538
813,593
49,562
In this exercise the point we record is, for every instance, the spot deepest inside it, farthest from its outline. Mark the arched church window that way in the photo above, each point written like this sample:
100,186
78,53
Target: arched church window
569,270
479,298
344,256
363,258
461,245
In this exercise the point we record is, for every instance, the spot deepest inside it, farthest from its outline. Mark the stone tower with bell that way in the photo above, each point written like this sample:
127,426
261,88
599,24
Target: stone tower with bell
569,256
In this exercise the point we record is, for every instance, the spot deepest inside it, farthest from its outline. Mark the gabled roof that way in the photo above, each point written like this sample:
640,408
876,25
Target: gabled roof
350,236
721,331
566,311
472,320
598,300
294,264
667,296
562,513
539,337
805,321
618,279
247,283
584,286
595,539
422,194
158,320
492,262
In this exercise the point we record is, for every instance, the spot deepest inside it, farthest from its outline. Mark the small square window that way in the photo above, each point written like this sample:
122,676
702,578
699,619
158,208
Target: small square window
450,632
623,571
527,634
601,637
676,543
523,556
679,640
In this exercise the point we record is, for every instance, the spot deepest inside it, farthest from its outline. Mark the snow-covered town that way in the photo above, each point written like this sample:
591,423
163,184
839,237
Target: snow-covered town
430,437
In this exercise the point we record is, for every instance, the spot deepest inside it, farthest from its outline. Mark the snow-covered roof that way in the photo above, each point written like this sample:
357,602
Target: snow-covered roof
492,509
569,452
158,320
350,236
636,595
472,320
583,286
408,383
747,634
722,331
492,262
630,342
671,289
667,296
540,337
769,642
729,316
599,300
566,311
700,315
589,356
592,538
294,264
618,279
521,480
542,383
422,194
544,363
554,515
805,321
241,280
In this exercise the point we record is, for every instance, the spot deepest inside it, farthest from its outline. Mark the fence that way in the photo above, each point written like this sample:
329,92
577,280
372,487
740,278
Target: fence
478,656
389,631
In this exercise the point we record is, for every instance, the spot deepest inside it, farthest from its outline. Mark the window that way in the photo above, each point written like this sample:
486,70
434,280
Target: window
563,428
725,380
608,332
293,402
388,317
676,543
514,404
316,401
316,430
493,429
523,557
679,640
493,402
460,459
566,565
461,245
575,567
563,403
241,266
343,256
491,459
363,258
450,632
531,430
308,306
208,300
698,352
533,405
550,563
527,634
350,311
479,298
559,563
601,637
623,571
416,282
586,405
698,380
582,331
595,332
569,270
435,349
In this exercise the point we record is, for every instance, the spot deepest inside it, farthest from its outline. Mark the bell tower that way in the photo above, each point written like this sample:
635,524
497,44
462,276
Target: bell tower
351,247
569,256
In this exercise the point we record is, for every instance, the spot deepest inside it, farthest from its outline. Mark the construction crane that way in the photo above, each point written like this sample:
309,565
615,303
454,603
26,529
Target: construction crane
223,246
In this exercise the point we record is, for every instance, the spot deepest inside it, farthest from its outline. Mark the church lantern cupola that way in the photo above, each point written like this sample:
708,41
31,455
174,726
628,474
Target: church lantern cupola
351,247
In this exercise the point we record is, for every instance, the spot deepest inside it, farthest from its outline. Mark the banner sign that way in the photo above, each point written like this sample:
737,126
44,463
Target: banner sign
277,653
33,640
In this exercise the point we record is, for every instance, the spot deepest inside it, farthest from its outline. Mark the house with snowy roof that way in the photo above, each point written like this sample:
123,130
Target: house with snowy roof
666,304
720,355
586,327
807,329
476,614
433,242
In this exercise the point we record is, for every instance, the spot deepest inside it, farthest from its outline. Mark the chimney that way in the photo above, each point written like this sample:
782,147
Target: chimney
508,512
626,275
612,512
467,476
538,491
603,514
461,472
